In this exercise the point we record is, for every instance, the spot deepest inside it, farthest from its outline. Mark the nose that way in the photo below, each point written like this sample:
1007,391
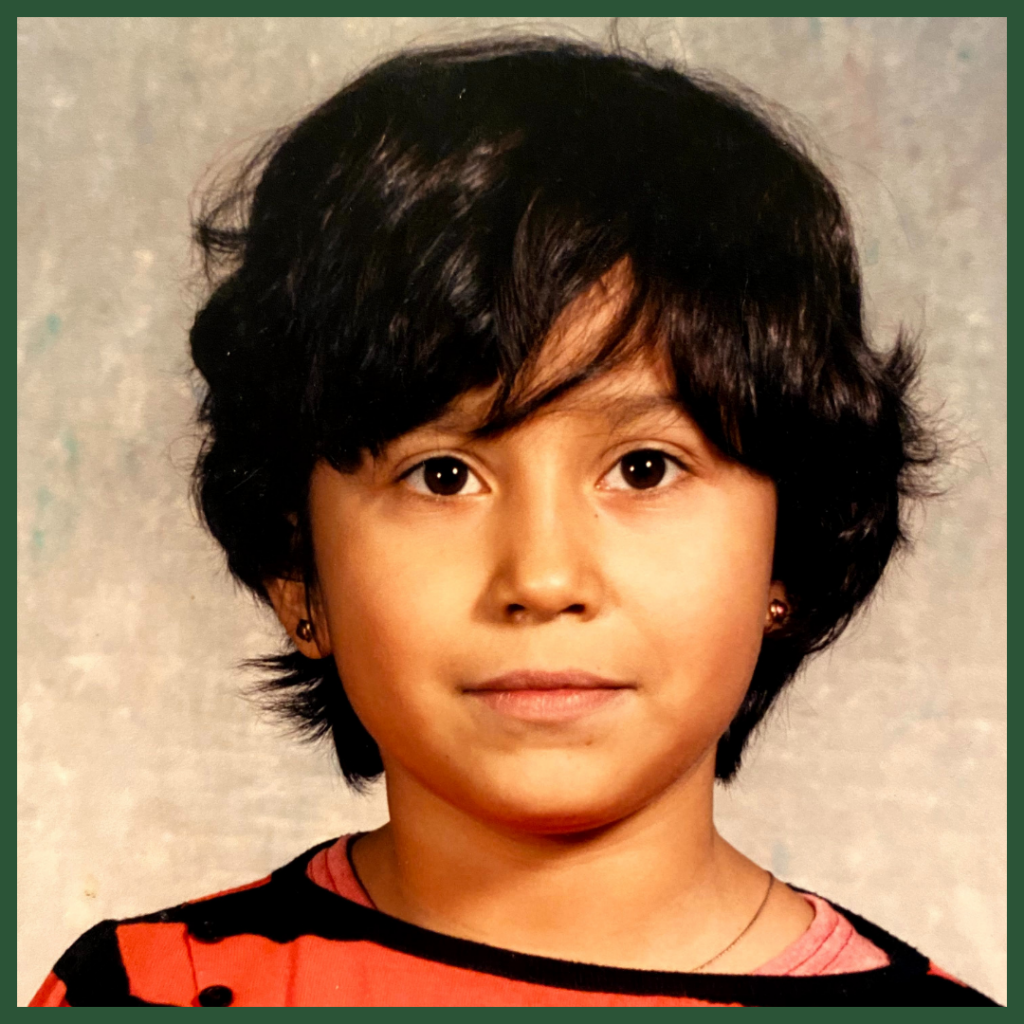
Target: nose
547,562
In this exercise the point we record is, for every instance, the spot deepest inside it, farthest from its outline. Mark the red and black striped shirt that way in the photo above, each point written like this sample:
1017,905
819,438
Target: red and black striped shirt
286,941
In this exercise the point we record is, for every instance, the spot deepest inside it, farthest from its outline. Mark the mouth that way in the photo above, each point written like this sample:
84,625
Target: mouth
537,696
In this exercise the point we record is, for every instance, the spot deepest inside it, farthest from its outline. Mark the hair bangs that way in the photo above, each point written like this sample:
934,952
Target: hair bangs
437,226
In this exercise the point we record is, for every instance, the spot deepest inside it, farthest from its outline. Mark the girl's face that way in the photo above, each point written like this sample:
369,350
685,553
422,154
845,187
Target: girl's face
549,628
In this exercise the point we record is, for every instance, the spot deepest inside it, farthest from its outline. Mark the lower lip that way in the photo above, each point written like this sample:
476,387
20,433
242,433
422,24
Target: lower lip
548,705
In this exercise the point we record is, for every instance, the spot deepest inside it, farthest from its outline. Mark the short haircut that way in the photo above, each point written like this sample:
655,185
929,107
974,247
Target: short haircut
417,235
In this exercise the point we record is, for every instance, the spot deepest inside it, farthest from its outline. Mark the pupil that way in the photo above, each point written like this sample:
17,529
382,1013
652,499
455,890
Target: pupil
445,476
643,469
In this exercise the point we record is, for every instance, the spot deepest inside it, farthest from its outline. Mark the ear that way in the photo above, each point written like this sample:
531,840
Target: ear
294,605
777,596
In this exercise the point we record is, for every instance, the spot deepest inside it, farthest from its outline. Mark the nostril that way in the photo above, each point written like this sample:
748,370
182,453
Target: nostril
517,611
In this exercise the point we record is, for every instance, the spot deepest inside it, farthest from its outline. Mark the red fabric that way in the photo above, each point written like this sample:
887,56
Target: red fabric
829,946
51,992
311,971
331,870
188,956
939,972
143,945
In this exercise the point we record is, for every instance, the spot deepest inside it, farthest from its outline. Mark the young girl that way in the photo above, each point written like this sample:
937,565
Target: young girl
540,410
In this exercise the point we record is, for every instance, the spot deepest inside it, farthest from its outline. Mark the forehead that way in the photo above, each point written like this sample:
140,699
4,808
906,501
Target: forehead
640,388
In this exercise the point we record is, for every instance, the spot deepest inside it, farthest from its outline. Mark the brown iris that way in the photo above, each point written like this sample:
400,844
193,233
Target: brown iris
643,469
445,476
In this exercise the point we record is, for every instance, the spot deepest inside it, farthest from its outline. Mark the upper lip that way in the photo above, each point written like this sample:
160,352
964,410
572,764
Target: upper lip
538,679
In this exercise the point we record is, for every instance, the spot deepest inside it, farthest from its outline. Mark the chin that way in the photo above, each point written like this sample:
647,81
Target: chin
573,807
557,821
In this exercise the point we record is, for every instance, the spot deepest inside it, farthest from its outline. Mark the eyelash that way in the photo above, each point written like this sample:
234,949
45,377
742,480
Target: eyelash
670,460
663,482
421,467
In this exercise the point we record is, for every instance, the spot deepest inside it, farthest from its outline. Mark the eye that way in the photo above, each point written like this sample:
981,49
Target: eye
642,470
443,477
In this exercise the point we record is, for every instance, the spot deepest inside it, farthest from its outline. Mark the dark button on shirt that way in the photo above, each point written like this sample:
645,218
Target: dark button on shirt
216,995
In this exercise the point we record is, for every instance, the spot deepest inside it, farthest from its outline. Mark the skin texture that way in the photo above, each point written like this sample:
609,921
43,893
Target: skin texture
591,836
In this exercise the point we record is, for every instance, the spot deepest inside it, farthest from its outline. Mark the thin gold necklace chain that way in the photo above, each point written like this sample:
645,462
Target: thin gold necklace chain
750,924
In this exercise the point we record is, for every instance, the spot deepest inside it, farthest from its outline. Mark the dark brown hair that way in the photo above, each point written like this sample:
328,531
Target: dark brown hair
416,236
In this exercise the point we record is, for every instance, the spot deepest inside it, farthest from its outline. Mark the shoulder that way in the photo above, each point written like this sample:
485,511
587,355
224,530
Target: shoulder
150,960
909,979
285,940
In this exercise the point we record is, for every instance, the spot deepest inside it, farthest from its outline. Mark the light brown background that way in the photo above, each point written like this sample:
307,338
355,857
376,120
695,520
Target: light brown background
145,780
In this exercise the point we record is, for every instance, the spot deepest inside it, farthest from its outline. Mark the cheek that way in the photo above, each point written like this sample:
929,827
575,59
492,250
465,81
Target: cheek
697,590
395,605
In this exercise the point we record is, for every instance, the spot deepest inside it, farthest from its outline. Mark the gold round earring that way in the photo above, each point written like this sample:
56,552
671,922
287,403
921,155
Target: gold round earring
777,612
304,630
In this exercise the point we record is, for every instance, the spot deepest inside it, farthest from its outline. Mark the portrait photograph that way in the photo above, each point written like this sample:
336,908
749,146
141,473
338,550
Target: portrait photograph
511,512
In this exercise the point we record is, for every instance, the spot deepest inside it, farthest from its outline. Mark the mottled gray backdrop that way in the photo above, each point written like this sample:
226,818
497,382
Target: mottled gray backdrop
145,779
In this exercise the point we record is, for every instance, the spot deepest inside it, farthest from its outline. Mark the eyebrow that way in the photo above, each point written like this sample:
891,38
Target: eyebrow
636,406
622,411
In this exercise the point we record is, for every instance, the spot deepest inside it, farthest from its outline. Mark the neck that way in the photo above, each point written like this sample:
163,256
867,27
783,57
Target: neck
657,889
